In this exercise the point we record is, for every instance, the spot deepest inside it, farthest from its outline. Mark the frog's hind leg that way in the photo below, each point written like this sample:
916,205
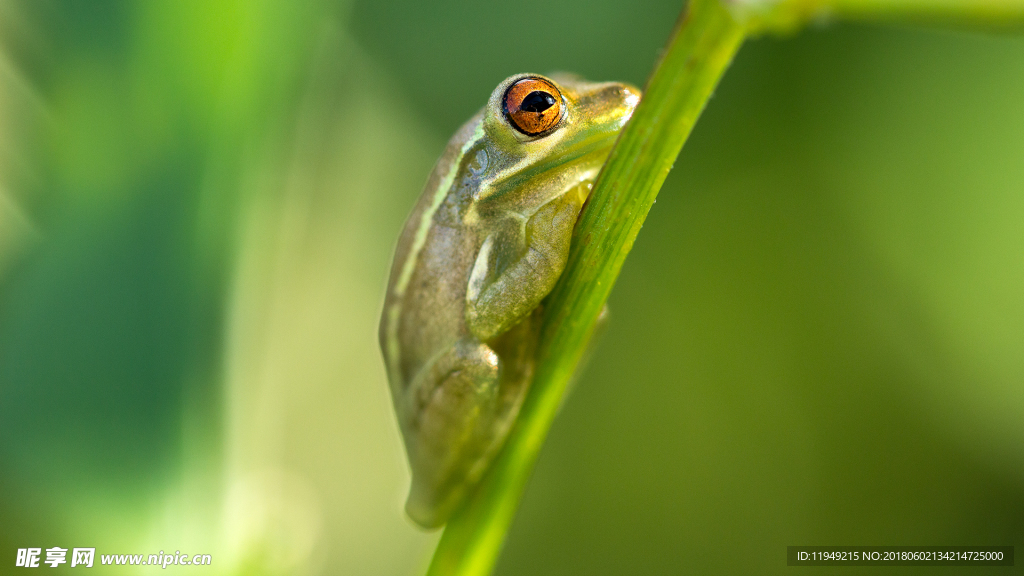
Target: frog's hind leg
451,401
465,403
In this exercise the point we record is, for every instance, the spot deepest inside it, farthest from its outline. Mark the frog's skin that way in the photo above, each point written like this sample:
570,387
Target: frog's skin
485,243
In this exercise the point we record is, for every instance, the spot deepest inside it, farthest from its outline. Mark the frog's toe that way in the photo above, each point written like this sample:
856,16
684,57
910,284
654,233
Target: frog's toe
428,507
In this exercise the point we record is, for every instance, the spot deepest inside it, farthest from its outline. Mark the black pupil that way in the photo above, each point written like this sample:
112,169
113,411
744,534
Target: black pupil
537,101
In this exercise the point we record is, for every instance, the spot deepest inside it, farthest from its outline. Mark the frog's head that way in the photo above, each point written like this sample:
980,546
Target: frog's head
539,131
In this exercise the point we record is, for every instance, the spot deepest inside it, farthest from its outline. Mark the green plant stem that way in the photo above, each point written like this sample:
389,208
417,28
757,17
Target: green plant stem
789,15
702,46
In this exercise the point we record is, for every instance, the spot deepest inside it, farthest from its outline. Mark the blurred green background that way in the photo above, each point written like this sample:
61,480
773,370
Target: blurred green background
818,338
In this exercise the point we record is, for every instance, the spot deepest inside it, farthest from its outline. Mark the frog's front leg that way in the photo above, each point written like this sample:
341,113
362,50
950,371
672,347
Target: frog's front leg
493,305
453,400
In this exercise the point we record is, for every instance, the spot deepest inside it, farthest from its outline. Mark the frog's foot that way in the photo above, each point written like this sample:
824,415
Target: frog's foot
451,437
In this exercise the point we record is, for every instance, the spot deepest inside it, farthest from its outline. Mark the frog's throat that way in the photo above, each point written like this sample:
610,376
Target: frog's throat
394,311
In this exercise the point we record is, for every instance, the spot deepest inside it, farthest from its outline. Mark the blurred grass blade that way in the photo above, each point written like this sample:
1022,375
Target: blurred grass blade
701,48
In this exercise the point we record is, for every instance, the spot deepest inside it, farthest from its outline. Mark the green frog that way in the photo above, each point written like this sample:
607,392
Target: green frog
484,245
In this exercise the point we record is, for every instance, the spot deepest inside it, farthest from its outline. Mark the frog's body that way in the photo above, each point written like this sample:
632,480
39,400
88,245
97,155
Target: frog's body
486,242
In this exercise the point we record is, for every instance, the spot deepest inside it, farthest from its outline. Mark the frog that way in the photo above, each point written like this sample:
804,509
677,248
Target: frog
486,242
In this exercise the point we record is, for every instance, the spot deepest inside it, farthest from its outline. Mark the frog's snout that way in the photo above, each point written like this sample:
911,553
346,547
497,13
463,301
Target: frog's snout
612,104
630,95
630,98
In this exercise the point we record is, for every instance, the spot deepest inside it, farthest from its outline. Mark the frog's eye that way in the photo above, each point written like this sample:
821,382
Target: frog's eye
533,106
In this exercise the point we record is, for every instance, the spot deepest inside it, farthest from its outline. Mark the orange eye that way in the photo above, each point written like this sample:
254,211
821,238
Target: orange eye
533,106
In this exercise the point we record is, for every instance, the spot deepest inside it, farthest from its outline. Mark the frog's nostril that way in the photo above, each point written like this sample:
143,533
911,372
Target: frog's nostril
537,102
631,96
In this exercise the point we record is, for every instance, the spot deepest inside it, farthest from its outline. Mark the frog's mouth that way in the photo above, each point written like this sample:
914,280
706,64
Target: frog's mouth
595,141
591,149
